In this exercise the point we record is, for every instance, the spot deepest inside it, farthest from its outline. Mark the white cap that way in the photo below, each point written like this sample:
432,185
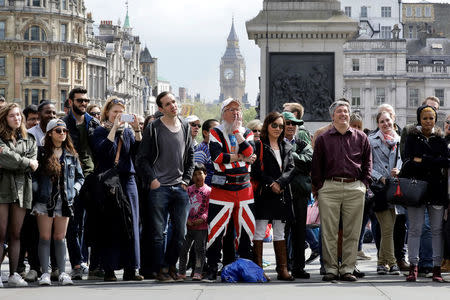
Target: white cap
227,102
55,123
191,118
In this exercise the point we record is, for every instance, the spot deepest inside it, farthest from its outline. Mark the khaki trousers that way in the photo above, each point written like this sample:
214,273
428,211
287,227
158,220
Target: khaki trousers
386,219
336,198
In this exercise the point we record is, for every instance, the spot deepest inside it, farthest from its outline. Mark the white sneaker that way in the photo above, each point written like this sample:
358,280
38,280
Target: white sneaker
16,280
45,279
85,268
31,276
64,279
1,283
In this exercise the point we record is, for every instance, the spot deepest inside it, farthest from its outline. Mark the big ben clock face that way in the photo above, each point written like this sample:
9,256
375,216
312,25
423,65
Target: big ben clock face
228,74
242,74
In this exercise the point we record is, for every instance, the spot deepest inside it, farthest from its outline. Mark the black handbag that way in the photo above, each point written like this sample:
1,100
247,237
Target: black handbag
405,191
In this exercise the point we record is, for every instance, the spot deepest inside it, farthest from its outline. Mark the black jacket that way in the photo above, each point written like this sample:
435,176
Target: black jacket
71,123
148,152
434,154
268,205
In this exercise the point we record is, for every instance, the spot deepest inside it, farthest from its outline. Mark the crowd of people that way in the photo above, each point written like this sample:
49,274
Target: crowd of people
117,191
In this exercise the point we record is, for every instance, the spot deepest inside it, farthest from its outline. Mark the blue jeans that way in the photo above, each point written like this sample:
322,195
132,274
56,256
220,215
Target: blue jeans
163,201
74,235
312,237
426,250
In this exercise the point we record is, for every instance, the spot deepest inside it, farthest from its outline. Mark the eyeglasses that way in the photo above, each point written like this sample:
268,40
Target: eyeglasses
275,126
81,100
95,114
118,101
233,109
256,130
447,122
195,125
289,123
61,130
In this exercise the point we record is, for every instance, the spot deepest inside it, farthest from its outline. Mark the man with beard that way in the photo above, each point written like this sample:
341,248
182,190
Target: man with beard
231,148
81,125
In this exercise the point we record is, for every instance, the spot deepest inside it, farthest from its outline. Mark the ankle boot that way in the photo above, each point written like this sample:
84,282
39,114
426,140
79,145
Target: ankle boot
258,254
413,270
281,258
437,277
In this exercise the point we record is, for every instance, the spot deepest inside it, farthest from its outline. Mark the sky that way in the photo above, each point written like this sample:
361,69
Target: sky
189,38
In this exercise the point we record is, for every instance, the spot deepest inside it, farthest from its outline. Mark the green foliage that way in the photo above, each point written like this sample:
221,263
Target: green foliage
206,111
248,115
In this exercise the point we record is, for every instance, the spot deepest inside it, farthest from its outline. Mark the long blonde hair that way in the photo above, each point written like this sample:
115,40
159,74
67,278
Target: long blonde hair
6,132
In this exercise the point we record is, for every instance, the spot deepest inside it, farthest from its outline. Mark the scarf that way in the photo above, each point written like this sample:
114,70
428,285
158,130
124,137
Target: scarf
390,139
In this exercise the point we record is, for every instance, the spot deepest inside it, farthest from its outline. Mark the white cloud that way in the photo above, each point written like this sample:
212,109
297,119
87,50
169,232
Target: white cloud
189,37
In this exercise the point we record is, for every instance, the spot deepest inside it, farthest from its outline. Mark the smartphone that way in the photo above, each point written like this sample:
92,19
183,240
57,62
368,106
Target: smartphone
127,118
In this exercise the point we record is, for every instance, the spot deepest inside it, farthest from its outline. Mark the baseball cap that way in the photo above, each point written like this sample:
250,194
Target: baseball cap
191,118
227,102
55,123
288,116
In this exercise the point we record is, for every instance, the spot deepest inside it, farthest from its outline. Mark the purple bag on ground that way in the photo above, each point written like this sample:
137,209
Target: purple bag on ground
243,270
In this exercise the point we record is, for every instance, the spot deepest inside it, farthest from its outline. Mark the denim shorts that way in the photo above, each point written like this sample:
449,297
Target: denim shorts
40,209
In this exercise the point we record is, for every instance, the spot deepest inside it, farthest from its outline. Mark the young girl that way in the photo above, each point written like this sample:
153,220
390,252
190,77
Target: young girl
59,180
197,223
17,161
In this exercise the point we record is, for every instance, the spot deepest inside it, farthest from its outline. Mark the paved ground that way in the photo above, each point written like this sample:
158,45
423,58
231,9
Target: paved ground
372,286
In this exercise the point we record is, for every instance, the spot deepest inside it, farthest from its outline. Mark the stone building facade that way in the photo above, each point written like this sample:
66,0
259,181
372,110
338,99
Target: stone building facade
43,50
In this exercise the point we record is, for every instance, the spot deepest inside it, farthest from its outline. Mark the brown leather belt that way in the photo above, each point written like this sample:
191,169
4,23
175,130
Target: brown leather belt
342,179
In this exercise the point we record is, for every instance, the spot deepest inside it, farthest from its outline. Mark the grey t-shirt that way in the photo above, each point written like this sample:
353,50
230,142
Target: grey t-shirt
169,165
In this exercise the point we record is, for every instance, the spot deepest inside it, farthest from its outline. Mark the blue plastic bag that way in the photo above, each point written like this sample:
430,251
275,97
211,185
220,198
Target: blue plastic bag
243,270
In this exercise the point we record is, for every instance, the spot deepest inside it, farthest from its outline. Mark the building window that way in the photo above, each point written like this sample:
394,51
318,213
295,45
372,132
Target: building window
411,31
441,95
35,67
35,96
356,97
418,12
2,2
36,2
427,11
363,11
413,100
63,68
385,11
386,32
409,11
2,66
35,33
348,11
2,92
355,64
380,96
79,70
64,4
380,64
63,98
63,32
2,30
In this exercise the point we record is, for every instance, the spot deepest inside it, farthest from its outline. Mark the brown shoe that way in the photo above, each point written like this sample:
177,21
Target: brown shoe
281,258
348,277
132,275
258,254
403,265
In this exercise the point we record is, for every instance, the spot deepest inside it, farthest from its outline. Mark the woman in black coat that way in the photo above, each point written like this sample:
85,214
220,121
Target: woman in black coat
272,171
426,158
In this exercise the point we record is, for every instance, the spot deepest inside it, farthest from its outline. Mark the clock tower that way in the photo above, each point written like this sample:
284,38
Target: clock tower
232,70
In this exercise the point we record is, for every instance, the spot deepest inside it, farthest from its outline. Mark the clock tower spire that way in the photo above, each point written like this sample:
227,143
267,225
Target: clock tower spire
232,69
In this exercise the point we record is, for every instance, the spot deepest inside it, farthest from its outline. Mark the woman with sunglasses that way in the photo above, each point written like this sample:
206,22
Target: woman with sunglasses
255,126
94,110
112,137
273,171
59,180
17,160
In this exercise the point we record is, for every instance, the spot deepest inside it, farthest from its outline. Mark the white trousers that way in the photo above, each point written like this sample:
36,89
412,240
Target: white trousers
277,226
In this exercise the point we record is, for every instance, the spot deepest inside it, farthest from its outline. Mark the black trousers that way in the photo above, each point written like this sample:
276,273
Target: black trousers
296,232
29,240
399,237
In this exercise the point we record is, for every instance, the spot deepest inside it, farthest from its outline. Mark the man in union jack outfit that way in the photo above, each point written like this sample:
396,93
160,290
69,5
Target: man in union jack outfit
231,199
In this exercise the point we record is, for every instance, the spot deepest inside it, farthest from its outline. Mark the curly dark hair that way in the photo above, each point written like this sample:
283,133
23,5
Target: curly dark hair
50,164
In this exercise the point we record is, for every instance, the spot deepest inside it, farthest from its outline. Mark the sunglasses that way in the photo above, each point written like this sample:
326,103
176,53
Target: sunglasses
275,126
447,122
61,130
256,130
81,100
118,101
95,114
195,125
289,123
